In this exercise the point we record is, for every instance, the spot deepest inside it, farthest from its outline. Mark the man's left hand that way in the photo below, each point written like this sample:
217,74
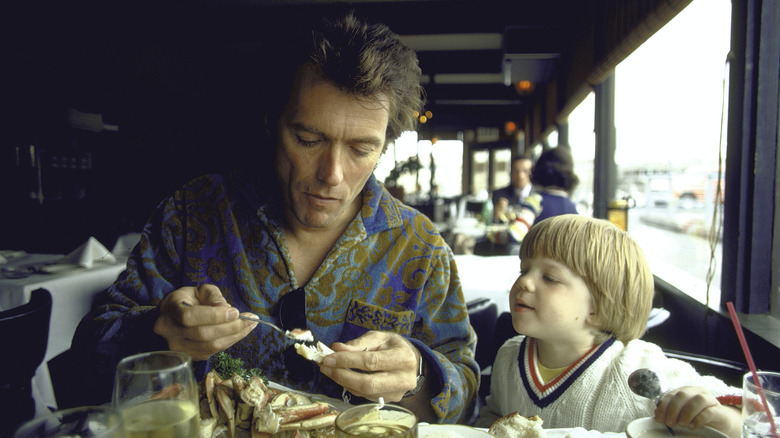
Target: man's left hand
377,364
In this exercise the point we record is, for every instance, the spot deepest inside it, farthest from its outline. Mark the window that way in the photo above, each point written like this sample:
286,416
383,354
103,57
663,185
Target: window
502,162
479,175
668,134
582,140
445,155
668,101
448,157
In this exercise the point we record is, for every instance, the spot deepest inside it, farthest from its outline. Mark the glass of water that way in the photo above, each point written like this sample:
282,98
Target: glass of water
156,395
755,422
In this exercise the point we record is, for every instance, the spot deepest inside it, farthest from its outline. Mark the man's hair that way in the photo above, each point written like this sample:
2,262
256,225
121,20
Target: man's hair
555,168
522,157
610,262
361,59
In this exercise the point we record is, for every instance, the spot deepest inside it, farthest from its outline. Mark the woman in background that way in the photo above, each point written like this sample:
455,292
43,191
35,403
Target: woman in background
554,179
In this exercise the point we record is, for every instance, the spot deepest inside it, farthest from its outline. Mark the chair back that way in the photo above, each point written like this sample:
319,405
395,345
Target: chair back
24,335
483,314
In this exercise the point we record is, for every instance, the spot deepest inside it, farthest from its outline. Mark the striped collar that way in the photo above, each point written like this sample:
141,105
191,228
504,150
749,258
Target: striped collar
543,394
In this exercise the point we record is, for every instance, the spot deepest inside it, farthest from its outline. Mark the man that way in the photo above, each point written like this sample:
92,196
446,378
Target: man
518,189
316,243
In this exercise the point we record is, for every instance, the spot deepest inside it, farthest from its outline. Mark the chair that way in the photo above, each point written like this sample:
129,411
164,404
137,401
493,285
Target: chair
24,335
483,314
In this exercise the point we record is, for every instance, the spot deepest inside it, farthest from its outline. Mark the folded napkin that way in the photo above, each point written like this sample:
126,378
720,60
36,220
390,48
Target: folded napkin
89,253
124,245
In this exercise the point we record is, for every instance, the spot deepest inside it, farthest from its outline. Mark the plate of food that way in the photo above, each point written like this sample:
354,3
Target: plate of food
450,431
239,402
649,428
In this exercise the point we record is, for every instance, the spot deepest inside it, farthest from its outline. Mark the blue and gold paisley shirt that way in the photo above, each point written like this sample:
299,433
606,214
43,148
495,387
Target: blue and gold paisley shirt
391,270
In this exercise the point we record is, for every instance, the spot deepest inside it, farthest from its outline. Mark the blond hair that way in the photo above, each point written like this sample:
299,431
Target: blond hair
612,265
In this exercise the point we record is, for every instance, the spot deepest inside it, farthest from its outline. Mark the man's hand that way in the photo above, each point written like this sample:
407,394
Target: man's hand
500,209
692,407
377,364
198,321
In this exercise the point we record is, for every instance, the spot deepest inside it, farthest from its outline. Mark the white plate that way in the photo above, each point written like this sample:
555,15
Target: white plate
58,268
442,430
649,428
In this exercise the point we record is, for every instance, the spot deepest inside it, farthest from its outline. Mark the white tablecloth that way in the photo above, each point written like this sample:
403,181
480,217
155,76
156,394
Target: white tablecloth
72,292
488,277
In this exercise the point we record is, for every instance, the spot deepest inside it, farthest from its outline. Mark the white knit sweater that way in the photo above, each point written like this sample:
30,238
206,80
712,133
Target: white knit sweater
593,393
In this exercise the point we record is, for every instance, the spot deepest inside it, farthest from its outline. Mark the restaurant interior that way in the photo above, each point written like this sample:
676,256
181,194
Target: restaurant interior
110,106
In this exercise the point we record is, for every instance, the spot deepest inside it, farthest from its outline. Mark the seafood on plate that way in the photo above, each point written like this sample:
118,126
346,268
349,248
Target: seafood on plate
238,407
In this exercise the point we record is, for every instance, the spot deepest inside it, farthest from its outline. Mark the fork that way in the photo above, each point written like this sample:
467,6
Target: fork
285,333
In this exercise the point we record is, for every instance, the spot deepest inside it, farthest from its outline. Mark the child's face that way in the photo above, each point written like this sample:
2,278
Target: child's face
550,302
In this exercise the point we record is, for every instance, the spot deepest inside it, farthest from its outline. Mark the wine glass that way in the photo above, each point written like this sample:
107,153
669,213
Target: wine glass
156,395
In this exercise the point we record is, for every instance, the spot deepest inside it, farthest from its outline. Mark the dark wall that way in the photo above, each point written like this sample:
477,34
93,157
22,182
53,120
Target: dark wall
181,85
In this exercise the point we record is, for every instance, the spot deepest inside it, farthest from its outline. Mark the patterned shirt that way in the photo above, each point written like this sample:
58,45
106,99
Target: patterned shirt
390,270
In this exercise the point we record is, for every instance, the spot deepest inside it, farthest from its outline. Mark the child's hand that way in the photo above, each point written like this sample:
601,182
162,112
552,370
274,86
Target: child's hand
692,407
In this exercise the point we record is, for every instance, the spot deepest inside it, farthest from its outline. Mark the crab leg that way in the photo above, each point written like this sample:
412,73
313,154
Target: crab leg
316,422
291,414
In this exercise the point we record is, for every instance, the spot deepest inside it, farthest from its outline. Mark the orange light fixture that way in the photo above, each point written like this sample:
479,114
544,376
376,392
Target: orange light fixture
524,87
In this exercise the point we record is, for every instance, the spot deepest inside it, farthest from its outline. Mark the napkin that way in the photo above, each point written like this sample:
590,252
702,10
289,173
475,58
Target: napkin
124,245
89,253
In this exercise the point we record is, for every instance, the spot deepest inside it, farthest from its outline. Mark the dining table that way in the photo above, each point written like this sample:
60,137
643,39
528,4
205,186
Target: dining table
426,430
488,277
457,430
72,289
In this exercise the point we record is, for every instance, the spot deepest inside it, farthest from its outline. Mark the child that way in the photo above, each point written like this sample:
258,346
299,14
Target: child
580,304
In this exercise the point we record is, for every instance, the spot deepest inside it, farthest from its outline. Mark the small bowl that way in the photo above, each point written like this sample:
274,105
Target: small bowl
649,428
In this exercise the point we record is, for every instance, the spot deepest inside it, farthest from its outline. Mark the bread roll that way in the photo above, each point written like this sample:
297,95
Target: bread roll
515,425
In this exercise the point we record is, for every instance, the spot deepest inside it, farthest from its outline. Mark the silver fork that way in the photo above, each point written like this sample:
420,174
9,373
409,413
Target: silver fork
285,333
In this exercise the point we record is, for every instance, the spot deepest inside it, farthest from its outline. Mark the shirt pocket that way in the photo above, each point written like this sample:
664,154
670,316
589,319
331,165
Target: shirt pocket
371,317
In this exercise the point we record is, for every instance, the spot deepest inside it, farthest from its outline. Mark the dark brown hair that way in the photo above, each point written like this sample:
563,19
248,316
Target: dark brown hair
555,168
365,60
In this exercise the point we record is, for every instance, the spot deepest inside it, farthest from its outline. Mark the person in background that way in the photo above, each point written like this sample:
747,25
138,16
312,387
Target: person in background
305,238
516,192
554,179
580,304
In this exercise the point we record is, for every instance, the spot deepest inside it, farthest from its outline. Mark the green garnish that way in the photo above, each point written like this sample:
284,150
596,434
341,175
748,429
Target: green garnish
226,365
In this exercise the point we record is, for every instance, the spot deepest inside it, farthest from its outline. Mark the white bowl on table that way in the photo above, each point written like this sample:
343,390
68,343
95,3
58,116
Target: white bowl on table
649,428
450,430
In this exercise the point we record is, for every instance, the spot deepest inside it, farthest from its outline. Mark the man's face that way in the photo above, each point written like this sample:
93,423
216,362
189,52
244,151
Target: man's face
329,144
520,173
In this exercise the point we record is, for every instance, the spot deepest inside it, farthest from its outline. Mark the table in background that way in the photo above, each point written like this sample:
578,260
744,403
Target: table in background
488,277
71,291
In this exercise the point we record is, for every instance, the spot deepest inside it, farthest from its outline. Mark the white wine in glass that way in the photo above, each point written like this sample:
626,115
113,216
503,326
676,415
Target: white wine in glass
156,395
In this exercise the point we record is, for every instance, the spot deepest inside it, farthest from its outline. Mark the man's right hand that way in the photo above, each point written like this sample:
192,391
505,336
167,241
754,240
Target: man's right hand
500,209
198,321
